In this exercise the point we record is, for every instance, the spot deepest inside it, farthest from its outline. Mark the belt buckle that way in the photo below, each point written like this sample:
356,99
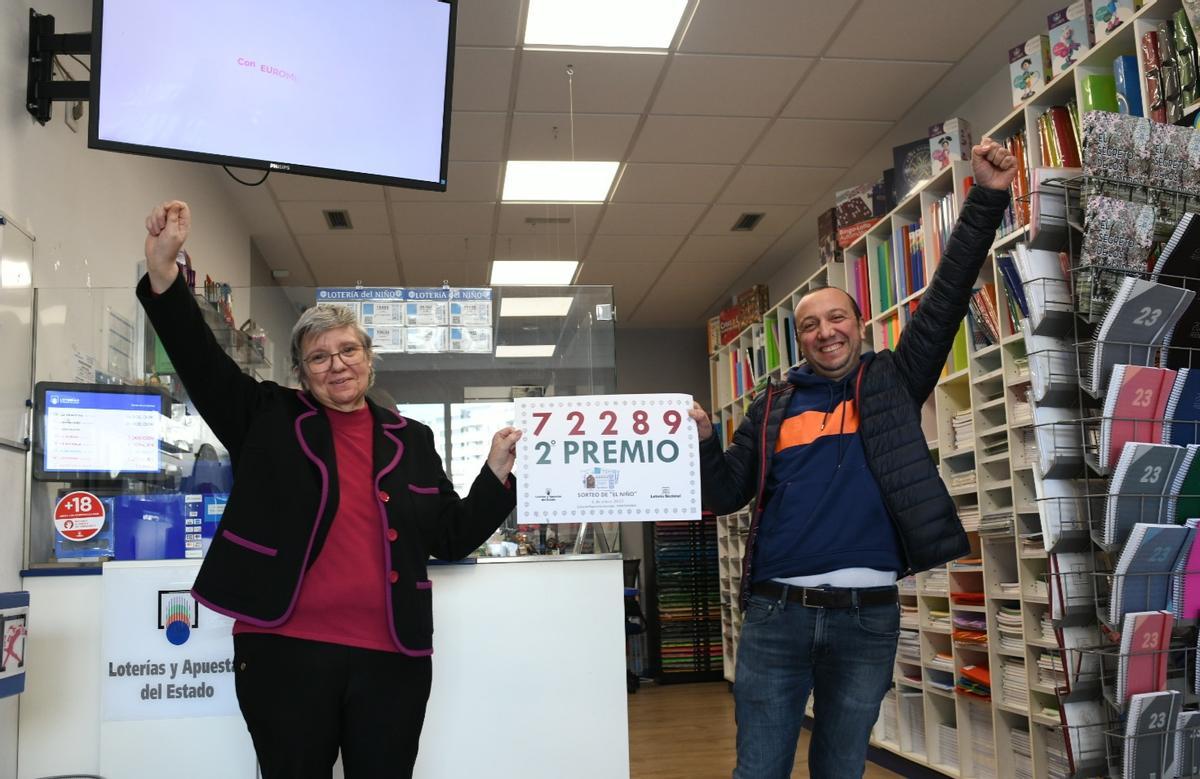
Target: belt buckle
804,599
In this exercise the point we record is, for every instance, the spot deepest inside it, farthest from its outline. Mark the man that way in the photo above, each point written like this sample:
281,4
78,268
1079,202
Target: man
848,499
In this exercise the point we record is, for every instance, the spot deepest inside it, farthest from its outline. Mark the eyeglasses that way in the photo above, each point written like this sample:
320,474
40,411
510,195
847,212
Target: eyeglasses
319,362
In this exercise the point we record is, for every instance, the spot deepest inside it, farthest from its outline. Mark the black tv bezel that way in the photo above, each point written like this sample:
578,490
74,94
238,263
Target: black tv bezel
277,166
38,448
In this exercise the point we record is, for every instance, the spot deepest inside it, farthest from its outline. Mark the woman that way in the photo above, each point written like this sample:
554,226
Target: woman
320,556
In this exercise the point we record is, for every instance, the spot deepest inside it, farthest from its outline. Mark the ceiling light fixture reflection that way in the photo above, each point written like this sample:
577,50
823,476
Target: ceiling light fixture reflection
535,306
528,350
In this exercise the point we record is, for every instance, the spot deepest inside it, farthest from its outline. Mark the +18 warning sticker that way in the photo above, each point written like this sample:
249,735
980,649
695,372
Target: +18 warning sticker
78,515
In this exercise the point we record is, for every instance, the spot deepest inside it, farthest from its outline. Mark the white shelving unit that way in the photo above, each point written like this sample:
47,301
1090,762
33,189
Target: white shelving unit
917,718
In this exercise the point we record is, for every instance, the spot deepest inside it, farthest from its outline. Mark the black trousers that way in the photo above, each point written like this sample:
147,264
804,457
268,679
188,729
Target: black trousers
305,700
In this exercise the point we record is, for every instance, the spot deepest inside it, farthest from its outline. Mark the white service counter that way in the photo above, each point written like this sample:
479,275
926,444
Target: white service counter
528,681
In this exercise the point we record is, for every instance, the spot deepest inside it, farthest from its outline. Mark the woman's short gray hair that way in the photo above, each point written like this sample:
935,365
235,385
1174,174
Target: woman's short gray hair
322,318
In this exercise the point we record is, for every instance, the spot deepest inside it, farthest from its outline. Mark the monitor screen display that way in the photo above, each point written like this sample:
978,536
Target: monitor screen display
357,90
97,431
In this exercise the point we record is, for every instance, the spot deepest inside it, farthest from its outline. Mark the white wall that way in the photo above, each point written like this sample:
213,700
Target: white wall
86,210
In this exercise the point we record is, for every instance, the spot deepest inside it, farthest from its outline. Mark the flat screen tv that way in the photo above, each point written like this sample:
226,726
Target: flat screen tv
358,90
97,432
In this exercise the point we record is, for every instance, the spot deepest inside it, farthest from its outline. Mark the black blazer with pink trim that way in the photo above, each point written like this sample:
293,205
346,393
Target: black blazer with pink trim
285,488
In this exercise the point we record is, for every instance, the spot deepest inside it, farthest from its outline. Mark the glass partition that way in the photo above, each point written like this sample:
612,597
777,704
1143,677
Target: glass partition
95,344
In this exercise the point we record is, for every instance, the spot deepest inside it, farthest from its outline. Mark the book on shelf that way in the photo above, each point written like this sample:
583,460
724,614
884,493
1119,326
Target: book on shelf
1047,201
1125,84
1141,315
1134,408
1044,280
1139,489
1062,507
1143,576
1150,733
1072,583
789,337
1057,136
1060,440
1053,364
1145,638
1012,283
1083,726
1076,647
958,359
1099,92
1118,146
771,342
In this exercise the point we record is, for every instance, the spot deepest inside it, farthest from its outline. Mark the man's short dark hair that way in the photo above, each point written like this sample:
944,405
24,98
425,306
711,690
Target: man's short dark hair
853,303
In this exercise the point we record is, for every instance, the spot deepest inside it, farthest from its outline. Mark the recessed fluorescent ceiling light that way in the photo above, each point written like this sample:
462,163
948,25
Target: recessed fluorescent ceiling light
552,272
626,24
535,306
558,182
531,350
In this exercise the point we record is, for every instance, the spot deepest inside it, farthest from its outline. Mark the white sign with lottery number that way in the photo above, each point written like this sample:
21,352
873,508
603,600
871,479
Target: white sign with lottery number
607,458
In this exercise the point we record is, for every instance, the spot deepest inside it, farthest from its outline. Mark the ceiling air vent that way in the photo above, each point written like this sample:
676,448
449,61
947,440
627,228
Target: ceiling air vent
338,220
747,222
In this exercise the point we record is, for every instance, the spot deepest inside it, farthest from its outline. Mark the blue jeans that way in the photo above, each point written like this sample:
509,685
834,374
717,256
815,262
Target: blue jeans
843,656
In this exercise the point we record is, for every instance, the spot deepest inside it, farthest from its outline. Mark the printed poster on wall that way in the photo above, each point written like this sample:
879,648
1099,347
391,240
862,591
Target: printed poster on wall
14,630
607,458
163,654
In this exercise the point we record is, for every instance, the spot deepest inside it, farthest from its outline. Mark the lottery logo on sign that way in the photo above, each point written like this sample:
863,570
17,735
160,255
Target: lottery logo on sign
79,516
177,615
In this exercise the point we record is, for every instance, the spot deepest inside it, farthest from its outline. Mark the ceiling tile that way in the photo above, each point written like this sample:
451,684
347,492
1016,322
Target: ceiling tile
684,293
670,183
604,82
814,142
626,248
701,139
537,247
457,274
305,216
882,90
487,22
582,220
345,260
916,29
776,219
728,86
429,249
788,27
286,186
779,184
548,136
443,218
477,136
724,248
475,182
650,218
482,78
281,253
630,281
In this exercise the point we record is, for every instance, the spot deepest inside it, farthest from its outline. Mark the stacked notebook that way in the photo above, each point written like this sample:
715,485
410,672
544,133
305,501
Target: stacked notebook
1145,570
1179,264
1134,409
1139,319
1150,733
1185,578
1043,275
1145,638
1140,489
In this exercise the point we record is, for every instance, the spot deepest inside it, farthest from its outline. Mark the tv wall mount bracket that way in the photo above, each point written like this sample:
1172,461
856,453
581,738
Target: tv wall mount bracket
41,88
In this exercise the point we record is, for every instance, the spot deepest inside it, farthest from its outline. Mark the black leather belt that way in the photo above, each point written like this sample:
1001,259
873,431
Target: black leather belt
828,597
